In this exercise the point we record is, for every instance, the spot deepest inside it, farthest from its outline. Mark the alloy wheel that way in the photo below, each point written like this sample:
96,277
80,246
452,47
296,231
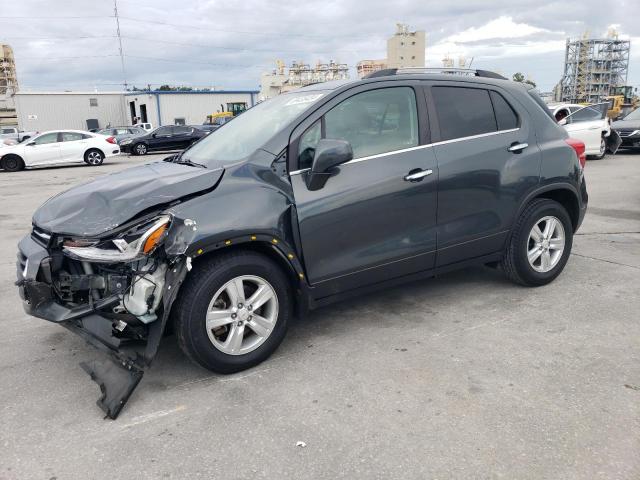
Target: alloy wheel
242,314
545,244
94,158
141,149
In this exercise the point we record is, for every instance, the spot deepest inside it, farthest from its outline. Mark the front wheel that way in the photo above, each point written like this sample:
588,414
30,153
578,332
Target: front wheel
603,149
139,149
12,163
540,244
233,311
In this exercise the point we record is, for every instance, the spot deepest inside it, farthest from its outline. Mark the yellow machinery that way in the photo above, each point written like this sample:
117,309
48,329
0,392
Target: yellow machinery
219,116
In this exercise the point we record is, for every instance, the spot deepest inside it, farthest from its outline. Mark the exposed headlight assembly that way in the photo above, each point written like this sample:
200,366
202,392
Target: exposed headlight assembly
126,142
127,248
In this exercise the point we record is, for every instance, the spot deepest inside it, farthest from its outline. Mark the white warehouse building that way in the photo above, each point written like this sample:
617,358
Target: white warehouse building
41,111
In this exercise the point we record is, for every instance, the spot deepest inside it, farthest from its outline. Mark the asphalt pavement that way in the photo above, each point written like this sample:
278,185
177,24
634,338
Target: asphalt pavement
462,376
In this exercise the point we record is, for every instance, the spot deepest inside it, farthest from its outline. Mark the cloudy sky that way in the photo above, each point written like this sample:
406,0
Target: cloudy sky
72,44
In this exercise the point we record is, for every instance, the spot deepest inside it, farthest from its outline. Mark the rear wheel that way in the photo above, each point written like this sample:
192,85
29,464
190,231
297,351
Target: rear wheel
540,244
94,158
233,311
139,149
12,163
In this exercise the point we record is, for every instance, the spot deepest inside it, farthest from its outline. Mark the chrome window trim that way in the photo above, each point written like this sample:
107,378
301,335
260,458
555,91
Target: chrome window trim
428,145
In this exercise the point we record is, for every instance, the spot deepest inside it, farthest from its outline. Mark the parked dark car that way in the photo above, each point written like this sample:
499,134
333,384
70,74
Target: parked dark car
311,197
170,137
629,129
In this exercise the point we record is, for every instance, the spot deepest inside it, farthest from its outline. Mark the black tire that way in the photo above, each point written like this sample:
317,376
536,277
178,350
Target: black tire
139,149
515,263
12,163
201,285
93,157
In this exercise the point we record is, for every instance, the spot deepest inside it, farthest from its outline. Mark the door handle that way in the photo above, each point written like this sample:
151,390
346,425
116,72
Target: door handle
517,147
595,127
417,175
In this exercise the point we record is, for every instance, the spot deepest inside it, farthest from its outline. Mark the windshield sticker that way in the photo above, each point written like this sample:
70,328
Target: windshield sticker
304,99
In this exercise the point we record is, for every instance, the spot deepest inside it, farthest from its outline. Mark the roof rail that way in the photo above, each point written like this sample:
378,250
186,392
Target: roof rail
451,71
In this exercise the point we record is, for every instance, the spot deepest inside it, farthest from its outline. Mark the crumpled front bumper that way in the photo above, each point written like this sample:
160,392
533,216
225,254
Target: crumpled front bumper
119,374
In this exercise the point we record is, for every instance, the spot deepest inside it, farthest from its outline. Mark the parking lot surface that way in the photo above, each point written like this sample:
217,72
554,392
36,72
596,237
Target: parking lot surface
463,376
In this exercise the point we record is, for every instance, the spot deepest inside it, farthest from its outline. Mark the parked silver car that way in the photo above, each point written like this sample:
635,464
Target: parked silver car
121,133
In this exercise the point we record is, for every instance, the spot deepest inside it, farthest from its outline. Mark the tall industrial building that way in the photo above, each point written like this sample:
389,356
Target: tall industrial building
594,68
8,86
8,79
299,75
404,49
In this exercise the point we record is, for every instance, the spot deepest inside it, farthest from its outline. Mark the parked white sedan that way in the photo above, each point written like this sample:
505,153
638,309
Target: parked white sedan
58,147
588,123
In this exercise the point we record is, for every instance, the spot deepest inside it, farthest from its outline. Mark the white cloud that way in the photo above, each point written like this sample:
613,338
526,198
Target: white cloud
501,27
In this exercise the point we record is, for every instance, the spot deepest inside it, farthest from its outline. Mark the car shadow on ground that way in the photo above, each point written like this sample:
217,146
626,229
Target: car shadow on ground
406,303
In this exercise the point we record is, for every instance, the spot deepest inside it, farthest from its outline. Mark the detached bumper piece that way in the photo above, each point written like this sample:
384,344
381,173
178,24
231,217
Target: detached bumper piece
117,383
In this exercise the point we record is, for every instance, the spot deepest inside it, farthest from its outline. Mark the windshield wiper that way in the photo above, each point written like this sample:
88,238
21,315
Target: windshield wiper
178,159
186,161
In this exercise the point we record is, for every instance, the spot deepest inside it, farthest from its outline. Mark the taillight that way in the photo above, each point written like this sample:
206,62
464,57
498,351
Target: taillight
578,146
111,140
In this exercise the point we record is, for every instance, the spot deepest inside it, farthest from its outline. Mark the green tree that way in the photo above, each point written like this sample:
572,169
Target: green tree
519,77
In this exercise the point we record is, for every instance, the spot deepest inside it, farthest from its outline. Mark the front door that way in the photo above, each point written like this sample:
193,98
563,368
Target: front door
586,124
488,160
370,222
162,139
44,149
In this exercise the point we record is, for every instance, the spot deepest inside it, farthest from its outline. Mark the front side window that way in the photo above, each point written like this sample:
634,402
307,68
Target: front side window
46,138
463,112
586,114
71,136
308,143
376,121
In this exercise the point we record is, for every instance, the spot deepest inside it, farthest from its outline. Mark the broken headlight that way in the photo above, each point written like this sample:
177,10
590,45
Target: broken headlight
134,244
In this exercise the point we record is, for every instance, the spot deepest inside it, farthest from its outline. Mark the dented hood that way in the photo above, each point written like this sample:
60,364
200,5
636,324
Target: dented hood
107,202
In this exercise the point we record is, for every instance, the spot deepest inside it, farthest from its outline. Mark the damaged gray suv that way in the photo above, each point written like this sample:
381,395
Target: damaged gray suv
308,198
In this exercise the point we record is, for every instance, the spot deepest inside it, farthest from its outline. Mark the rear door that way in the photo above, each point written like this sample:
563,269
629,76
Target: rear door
72,146
183,136
369,223
43,150
488,159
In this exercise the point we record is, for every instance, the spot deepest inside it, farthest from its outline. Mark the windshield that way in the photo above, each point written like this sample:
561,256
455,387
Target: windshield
635,115
248,132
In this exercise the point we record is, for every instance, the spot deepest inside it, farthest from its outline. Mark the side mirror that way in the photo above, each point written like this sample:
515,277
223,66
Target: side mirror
562,121
329,154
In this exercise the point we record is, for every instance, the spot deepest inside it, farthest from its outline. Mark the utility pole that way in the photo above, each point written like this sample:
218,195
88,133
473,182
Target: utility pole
115,11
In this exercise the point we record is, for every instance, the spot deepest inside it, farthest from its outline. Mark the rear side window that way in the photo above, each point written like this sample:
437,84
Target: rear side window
463,112
71,136
505,116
